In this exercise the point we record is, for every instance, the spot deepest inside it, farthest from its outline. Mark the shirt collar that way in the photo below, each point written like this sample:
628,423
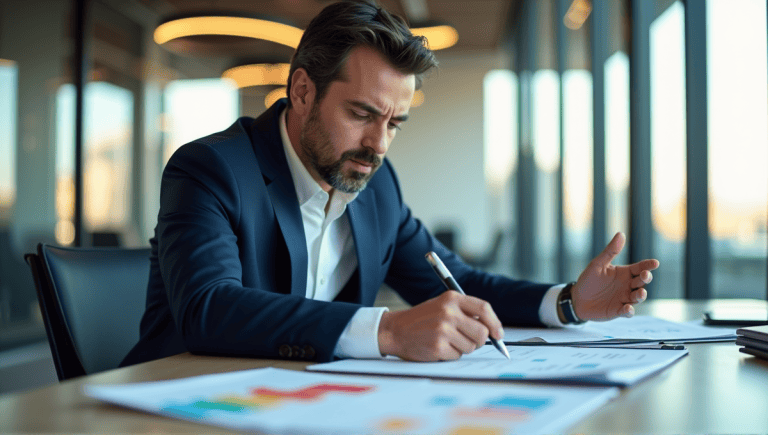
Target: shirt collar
306,186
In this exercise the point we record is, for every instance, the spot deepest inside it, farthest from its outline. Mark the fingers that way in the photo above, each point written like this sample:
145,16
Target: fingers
482,311
640,266
626,311
611,251
644,278
639,295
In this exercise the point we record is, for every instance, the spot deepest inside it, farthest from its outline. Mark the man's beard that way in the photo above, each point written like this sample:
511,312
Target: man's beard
316,145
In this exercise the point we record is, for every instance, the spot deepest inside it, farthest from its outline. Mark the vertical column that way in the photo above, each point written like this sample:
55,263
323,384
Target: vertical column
526,173
697,254
561,7
599,45
80,69
641,226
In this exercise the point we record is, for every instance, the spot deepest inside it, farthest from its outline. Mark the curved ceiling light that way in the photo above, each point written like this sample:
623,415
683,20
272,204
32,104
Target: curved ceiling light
228,26
259,74
438,36
275,95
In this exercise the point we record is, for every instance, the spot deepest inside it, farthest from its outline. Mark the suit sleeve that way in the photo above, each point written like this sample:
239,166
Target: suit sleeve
515,302
202,272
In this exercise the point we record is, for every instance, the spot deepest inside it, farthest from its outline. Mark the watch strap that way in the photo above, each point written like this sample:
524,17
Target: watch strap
565,301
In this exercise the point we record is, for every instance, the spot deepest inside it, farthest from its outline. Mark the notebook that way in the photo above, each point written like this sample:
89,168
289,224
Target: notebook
754,339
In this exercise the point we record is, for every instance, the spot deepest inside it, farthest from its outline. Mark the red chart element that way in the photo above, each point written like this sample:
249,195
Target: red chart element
312,392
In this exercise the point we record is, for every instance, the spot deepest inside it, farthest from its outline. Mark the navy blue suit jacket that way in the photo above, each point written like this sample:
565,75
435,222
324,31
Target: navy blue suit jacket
229,258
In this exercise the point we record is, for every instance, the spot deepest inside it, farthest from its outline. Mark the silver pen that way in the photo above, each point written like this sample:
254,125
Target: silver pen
450,283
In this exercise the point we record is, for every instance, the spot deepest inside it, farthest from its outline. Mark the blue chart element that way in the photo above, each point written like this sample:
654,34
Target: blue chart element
512,376
587,366
444,401
520,402
199,409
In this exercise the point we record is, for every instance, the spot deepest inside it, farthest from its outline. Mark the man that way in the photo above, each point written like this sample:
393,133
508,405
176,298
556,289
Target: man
274,235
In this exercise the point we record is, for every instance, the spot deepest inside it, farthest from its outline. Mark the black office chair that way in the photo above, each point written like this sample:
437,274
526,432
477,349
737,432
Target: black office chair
92,301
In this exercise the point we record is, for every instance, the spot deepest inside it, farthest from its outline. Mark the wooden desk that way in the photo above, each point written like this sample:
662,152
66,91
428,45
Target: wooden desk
715,389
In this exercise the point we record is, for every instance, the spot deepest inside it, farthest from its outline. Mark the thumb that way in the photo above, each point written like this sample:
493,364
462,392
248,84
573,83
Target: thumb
611,251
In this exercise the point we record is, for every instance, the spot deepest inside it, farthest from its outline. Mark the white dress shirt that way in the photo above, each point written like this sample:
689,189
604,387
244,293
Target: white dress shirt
332,259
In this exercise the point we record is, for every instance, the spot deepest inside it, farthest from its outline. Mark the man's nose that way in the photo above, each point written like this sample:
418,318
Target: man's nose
377,138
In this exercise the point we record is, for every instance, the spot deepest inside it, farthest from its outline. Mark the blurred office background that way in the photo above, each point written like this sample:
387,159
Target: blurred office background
549,126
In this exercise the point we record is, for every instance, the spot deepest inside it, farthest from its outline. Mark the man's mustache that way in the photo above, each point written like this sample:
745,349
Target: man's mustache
363,156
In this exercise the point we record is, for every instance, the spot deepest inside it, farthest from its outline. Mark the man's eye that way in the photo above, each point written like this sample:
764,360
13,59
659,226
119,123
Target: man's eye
360,116
394,126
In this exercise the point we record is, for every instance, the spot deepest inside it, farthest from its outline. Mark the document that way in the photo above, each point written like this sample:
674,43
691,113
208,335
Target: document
605,366
284,401
638,329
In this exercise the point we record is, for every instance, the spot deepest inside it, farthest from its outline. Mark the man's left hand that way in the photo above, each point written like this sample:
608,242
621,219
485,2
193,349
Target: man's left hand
605,291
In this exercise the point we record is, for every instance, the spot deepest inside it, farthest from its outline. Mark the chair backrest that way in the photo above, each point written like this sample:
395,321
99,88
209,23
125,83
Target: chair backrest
92,301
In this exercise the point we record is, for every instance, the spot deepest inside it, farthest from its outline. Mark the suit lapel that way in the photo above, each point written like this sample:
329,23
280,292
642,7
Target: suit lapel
268,147
365,229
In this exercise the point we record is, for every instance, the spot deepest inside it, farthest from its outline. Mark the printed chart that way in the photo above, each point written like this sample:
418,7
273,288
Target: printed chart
284,401
607,366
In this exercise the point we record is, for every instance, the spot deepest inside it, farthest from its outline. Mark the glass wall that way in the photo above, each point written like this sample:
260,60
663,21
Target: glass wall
32,68
124,133
668,145
737,93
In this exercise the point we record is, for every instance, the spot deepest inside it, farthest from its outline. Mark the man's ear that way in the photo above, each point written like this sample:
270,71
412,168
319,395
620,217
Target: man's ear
302,92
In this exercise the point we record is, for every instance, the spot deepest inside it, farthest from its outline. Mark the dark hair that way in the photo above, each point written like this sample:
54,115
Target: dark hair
341,27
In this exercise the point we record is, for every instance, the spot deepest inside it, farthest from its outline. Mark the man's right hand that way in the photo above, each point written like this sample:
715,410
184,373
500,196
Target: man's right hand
442,328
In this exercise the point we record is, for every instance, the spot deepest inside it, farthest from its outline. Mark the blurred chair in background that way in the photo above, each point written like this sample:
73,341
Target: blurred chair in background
92,301
448,236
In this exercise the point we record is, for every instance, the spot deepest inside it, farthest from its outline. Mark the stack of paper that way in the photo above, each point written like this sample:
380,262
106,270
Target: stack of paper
622,367
754,339
283,401
619,332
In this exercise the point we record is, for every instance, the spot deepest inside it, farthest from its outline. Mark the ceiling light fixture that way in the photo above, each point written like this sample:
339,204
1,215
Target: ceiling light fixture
259,74
577,14
275,95
438,36
418,98
228,26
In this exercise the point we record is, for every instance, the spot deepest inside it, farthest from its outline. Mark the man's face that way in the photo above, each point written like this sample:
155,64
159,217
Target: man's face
348,132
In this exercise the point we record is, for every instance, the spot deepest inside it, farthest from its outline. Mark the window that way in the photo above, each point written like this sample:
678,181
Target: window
500,140
106,161
738,146
8,90
197,108
500,145
577,169
546,153
668,147
617,148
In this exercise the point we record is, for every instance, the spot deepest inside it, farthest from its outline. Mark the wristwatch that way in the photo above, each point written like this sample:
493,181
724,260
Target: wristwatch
565,302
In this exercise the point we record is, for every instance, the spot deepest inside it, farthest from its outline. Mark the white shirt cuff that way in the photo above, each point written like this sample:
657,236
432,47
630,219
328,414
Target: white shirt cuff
360,339
548,308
